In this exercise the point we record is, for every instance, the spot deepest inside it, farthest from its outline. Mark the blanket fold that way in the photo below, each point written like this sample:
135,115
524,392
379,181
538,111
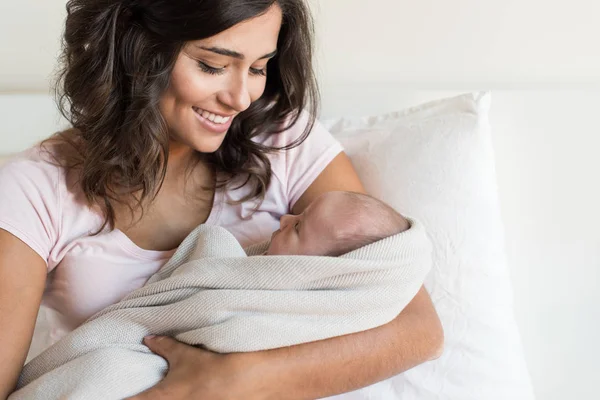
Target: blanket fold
212,293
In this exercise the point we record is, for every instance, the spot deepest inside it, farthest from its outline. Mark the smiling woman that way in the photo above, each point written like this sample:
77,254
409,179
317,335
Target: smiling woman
182,113
169,67
231,81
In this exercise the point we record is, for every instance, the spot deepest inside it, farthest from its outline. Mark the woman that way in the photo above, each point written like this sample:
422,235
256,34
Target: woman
178,109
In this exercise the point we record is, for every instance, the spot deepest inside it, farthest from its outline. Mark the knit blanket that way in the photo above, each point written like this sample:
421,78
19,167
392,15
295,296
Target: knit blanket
215,294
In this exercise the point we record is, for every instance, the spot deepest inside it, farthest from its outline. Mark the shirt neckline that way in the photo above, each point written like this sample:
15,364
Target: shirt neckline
155,255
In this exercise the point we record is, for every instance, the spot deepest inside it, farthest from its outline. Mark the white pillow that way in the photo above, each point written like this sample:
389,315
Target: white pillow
435,162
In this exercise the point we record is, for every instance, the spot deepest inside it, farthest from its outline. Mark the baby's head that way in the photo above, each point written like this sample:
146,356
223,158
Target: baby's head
334,224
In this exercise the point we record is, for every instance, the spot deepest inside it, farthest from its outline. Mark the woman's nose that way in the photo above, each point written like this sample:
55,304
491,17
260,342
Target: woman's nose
236,96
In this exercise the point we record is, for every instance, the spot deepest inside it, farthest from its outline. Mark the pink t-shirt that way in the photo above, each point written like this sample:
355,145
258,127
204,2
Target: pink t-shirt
40,206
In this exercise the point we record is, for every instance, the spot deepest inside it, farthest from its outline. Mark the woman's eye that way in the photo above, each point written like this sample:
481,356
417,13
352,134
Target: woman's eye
210,70
297,227
259,72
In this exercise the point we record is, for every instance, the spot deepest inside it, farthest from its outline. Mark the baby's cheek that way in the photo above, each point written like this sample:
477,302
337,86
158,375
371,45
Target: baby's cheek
313,249
277,248
270,250
331,248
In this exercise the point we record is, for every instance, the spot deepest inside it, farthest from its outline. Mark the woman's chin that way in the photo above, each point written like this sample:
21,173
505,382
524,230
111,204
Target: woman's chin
206,149
208,146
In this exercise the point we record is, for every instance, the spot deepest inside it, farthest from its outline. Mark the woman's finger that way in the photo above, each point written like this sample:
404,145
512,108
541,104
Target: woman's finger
166,347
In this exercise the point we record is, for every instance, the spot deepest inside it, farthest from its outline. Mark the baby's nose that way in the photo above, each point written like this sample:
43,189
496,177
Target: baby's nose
285,220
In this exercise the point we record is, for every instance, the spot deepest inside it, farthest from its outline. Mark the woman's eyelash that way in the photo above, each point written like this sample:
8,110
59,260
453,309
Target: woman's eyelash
210,70
218,71
260,72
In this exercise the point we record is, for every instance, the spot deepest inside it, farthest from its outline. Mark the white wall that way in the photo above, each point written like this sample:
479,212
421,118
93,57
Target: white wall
458,43
30,33
422,43
546,145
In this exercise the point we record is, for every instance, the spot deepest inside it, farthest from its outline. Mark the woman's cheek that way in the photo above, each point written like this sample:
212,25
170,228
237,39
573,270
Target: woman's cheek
257,88
198,89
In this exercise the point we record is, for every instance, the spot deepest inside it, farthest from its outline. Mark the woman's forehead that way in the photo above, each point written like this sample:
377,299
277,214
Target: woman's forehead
253,38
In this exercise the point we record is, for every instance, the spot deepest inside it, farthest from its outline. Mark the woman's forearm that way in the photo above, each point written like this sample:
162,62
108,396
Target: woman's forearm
346,363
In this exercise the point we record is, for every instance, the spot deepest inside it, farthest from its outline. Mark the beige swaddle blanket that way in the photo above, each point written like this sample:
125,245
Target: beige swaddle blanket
212,293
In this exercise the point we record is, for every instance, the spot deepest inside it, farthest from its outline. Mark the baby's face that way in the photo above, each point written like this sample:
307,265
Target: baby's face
310,233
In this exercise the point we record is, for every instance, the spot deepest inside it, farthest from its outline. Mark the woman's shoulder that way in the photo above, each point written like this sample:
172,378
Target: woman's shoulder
298,167
38,205
302,151
30,197
35,162
39,170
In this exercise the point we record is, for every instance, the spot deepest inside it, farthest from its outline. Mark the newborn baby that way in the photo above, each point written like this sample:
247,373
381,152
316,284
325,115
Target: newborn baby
334,224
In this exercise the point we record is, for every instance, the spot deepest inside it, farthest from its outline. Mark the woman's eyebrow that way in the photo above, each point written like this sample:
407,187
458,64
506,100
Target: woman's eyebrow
234,54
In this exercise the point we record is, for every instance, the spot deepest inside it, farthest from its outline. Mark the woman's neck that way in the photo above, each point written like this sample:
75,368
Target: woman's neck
180,154
186,166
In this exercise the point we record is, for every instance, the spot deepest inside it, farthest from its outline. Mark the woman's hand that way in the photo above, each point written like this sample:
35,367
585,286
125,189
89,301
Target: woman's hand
199,374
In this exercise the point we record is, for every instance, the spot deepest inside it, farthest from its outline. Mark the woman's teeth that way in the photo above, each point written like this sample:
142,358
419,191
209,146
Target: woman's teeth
217,119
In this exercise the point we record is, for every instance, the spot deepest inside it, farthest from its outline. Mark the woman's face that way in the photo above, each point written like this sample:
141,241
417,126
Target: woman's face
215,79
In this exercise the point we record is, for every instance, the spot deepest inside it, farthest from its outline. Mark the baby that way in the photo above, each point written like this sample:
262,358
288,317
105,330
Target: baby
334,224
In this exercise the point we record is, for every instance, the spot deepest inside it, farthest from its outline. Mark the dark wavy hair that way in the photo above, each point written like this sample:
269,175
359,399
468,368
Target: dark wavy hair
116,64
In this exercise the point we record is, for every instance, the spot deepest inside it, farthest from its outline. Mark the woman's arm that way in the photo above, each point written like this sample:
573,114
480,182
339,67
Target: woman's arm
22,278
346,363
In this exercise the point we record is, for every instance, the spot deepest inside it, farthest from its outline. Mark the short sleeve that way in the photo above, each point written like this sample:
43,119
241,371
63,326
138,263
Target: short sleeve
298,167
29,202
